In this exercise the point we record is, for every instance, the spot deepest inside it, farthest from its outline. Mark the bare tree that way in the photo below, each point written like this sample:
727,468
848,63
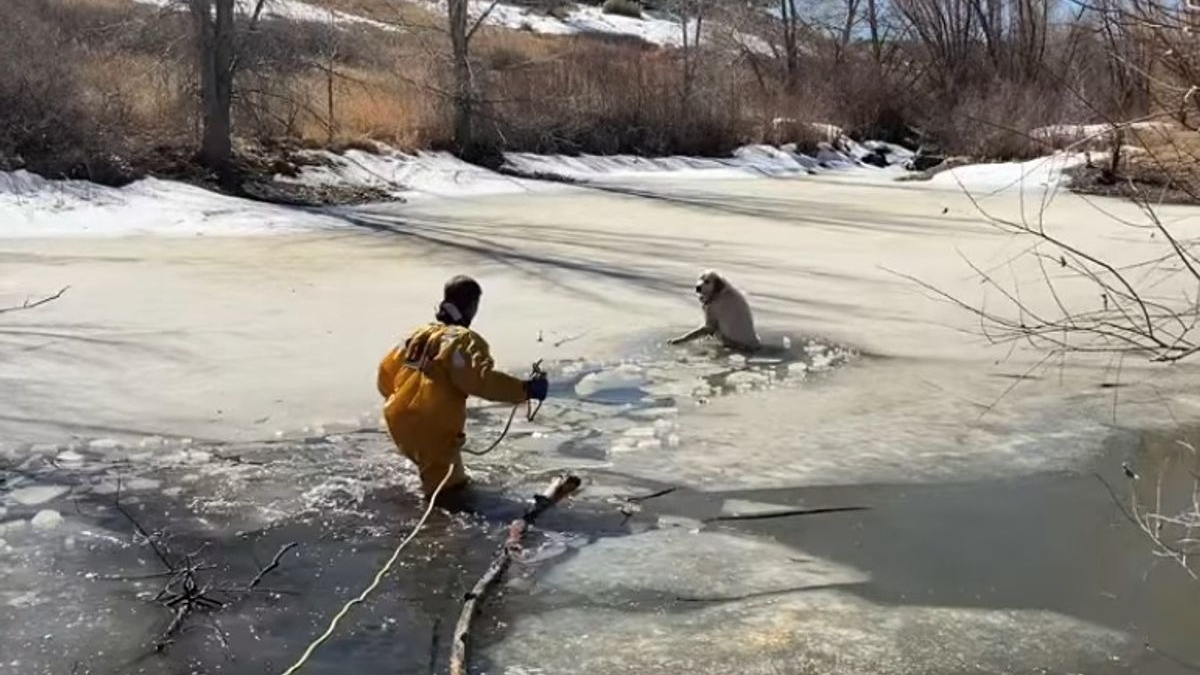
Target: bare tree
946,30
217,55
1148,307
790,30
690,14
466,97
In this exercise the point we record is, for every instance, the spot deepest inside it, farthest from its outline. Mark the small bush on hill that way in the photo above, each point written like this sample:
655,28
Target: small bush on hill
630,8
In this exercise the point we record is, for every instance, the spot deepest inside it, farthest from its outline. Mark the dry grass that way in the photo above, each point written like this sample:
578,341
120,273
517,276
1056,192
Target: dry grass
103,4
1169,160
151,94
112,76
371,105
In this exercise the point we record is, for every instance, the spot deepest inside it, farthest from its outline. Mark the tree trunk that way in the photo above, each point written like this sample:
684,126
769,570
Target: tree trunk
215,31
464,95
791,48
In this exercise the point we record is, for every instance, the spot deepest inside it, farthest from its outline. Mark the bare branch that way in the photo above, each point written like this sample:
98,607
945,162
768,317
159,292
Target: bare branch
31,304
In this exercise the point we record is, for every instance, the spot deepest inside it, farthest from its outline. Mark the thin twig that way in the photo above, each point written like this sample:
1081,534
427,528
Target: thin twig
784,514
653,495
30,304
270,566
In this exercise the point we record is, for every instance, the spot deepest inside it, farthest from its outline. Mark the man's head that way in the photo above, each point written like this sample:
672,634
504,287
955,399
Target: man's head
460,301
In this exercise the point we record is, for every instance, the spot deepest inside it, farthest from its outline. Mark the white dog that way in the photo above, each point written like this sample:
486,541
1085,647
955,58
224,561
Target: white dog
726,314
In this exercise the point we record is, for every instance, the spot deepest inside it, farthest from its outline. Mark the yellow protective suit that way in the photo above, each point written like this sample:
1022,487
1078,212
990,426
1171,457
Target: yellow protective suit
426,382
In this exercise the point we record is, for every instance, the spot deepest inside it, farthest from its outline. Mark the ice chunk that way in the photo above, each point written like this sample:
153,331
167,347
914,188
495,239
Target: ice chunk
640,432
69,457
621,377
27,599
38,494
139,484
741,507
104,444
47,519
14,525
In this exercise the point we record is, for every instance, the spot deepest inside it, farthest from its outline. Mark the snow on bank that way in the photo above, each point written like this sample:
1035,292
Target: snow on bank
425,174
1076,136
288,10
1043,172
654,27
31,206
443,175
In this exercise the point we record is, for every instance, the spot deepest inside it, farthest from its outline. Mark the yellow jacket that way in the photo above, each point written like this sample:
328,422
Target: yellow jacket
426,381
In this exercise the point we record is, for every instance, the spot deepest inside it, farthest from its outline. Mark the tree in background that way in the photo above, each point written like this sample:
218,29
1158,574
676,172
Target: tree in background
465,94
216,34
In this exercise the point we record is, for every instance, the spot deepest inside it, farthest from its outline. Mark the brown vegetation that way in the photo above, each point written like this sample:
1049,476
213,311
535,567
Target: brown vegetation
88,87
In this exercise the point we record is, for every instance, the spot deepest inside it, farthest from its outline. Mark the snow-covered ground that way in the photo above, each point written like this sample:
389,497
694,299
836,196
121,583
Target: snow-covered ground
442,175
1085,136
33,206
288,10
658,28
1044,175
653,27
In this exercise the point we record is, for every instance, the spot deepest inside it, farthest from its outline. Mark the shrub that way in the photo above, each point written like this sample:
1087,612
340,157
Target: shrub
629,8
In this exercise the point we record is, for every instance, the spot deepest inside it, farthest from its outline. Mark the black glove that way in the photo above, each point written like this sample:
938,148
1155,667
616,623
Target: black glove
537,388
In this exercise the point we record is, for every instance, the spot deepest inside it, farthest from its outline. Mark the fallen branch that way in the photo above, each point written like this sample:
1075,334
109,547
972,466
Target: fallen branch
560,489
786,514
270,566
653,495
30,304
632,505
184,591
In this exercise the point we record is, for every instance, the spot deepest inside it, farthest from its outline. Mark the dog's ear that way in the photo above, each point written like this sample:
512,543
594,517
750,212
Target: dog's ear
718,282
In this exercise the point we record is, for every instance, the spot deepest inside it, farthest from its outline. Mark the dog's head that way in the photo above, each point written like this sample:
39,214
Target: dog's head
709,285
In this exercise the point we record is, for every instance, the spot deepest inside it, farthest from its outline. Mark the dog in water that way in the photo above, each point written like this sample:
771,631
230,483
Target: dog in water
726,314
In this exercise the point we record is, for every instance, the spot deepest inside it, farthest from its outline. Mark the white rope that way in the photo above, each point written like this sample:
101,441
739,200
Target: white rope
337,618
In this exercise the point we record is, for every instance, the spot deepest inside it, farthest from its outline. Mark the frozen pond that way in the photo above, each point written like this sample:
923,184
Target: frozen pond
222,390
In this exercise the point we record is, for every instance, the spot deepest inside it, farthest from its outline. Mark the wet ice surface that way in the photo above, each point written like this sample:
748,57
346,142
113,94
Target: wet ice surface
76,581
620,585
632,605
601,412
